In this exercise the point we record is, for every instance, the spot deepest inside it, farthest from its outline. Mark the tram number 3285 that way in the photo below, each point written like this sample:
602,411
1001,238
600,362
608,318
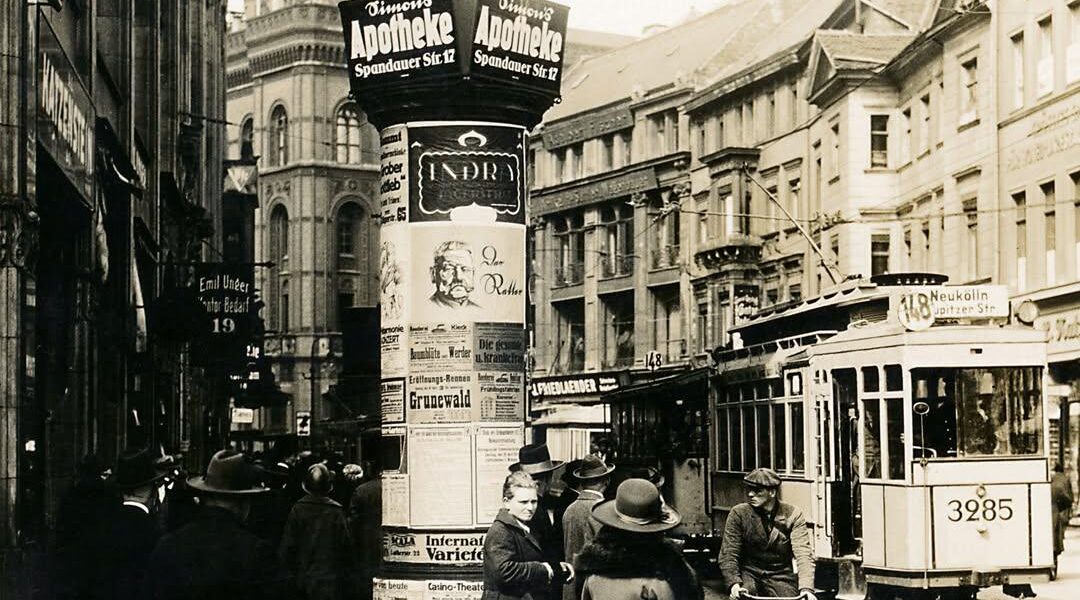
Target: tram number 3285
981,509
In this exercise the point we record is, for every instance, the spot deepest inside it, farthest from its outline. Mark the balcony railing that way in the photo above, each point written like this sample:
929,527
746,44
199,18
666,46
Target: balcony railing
619,265
672,350
665,256
570,274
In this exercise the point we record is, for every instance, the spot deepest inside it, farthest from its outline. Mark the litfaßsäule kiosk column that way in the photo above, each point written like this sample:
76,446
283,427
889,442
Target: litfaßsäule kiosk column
454,86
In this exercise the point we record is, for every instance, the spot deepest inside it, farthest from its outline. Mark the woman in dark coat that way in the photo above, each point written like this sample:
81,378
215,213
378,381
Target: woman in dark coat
514,567
630,559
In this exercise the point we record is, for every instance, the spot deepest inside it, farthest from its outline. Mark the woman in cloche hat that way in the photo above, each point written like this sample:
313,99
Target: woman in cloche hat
630,558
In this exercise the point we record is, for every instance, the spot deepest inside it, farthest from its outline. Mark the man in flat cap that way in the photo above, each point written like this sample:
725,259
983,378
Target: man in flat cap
761,536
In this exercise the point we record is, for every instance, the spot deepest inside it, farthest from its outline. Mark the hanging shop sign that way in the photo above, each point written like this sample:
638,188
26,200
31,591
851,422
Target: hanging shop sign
457,166
66,114
392,44
226,292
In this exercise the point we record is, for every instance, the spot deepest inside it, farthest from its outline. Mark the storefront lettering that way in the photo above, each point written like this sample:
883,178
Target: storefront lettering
574,386
1062,329
1062,127
517,35
622,185
399,34
59,104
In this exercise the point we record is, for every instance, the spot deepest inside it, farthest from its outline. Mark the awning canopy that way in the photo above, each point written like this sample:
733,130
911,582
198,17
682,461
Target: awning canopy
696,376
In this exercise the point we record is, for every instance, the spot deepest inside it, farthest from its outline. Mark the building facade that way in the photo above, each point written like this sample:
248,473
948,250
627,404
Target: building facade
863,138
112,192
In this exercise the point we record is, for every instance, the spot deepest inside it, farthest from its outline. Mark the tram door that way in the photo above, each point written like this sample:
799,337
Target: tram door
844,489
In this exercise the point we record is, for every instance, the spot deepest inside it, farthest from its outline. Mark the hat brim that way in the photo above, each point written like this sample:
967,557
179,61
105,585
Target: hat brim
198,483
605,513
116,483
579,474
537,468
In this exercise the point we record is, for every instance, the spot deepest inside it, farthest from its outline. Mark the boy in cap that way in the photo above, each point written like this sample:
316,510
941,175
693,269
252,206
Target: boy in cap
761,536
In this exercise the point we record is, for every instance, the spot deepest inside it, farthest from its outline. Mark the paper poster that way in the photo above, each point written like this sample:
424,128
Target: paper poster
393,193
453,548
440,470
499,347
402,589
499,395
496,450
395,476
440,347
457,165
475,273
435,397
392,395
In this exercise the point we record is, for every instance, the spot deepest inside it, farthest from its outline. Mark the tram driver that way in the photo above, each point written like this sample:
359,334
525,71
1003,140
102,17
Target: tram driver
761,537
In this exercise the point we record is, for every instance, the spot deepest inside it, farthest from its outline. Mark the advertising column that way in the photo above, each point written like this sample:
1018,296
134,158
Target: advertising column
454,86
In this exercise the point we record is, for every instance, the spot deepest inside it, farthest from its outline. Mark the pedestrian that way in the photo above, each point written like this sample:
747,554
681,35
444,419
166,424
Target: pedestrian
214,557
515,567
1062,493
81,520
133,528
316,545
630,558
546,525
579,524
365,523
761,537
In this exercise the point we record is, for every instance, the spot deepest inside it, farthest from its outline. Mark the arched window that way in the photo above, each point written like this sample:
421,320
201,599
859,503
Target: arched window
279,136
353,236
355,140
279,256
247,139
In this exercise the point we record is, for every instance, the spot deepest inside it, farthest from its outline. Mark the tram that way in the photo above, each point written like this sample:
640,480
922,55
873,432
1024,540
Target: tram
917,451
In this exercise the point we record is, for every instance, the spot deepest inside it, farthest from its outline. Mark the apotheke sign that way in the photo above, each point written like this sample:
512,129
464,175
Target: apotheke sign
393,43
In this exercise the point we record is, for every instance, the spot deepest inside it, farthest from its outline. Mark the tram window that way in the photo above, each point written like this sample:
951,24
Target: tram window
763,459
979,412
779,438
894,411
870,379
748,437
794,384
872,439
776,388
723,436
894,378
798,457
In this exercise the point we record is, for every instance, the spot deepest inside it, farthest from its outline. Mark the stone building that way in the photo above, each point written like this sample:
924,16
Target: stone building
112,190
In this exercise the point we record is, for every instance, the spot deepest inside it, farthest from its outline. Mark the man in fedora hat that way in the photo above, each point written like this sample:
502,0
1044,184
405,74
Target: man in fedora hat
630,557
214,556
132,529
579,525
546,524
761,536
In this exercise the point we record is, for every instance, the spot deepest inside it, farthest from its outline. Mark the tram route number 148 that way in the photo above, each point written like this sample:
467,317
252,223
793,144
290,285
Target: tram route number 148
980,509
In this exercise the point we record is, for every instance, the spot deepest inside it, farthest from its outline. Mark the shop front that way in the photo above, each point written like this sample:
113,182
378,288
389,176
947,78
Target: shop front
569,413
1057,312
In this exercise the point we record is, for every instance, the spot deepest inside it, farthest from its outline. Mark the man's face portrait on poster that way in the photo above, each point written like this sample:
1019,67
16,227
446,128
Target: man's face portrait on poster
453,274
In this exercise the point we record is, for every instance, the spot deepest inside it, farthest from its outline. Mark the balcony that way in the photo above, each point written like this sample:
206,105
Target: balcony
734,250
619,265
569,274
665,257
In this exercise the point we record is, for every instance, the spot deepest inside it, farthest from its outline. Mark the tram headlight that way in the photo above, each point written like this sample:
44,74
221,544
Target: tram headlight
980,491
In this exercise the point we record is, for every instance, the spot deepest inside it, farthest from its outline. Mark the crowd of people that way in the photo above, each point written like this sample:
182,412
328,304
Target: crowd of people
309,527
297,526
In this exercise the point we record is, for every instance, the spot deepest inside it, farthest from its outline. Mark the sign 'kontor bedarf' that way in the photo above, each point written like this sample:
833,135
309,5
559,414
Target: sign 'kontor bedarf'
454,87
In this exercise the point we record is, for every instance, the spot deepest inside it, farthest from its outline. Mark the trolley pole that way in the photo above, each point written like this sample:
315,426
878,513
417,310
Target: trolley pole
454,86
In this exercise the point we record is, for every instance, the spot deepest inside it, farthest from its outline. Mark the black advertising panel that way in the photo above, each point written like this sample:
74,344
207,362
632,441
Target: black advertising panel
65,113
520,41
227,292
459,165
388,42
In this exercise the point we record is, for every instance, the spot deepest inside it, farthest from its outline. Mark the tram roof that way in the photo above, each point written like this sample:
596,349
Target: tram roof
891,333
843,294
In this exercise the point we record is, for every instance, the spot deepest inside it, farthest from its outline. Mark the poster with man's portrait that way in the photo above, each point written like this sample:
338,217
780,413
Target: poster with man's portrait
475,273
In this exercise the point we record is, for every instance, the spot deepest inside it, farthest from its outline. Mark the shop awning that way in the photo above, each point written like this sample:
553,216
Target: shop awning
696,376
569,414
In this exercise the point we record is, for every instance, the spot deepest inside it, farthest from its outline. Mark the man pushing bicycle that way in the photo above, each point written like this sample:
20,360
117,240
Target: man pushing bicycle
761,536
